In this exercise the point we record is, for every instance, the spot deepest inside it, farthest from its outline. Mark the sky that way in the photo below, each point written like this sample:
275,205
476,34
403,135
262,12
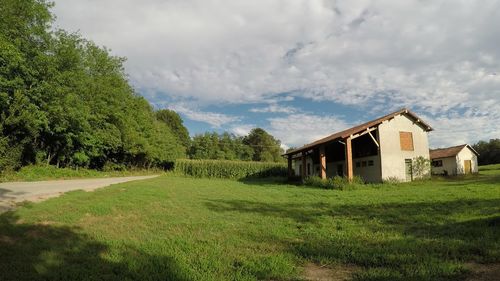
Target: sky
304,69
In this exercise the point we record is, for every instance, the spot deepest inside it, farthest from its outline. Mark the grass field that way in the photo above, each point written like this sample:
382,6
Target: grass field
45,172
174,228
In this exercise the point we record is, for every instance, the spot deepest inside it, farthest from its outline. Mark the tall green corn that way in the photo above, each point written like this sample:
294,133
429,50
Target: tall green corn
228,169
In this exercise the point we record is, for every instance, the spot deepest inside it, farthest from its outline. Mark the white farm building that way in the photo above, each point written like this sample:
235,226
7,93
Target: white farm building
380,149
456,160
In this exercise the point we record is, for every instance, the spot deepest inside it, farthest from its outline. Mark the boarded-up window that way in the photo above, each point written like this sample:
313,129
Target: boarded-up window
406,140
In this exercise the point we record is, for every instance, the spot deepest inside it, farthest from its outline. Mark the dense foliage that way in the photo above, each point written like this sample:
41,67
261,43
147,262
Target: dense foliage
229,169
258,145
175,123
489,152
219,146
265,147
66,101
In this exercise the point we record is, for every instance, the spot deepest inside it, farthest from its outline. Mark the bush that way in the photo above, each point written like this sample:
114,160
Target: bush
229,169
421,168
339,183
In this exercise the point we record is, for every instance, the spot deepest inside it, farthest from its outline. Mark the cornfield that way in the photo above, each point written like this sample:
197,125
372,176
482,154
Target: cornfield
229,169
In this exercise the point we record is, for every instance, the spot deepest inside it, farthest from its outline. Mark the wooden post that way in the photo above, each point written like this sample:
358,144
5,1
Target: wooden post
322,162
304,163
348,158
290,171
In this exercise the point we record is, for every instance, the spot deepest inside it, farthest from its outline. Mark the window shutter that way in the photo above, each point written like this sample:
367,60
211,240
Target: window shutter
406,140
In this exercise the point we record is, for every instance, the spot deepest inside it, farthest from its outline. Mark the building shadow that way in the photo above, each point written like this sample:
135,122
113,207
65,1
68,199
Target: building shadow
44,251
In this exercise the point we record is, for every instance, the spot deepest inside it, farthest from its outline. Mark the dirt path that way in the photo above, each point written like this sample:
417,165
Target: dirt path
14,192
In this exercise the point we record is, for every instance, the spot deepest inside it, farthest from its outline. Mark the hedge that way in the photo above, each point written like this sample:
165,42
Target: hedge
229,169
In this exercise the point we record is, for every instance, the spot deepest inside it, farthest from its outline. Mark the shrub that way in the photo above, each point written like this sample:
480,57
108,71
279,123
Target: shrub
339,183
421,168
80,159
229,169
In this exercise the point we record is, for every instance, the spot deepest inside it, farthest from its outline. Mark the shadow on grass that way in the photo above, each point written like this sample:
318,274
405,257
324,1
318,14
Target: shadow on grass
47,252
407,241
266,181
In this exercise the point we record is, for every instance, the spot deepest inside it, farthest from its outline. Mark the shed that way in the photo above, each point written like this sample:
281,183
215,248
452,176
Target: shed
455,160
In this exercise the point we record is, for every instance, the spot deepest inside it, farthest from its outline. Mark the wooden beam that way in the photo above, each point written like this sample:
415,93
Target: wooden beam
290,171
322,162
304,163
368,130
348,158
374,140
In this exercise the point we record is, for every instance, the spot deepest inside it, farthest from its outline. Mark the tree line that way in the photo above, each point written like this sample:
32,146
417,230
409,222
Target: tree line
489,151
66,101
258,145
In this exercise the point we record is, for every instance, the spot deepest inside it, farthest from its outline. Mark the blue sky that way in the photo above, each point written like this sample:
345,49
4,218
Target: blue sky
303,69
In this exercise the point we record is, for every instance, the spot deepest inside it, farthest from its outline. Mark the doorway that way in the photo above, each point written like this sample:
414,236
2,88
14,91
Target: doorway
467,167
408,169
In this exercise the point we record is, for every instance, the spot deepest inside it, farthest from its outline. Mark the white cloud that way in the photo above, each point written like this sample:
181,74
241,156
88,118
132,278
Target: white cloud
242,129
216,120
274,108
439,57
460,128
299,129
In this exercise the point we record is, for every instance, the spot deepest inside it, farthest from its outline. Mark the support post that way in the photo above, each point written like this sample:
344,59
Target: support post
290,171
322,162
348,158
304,162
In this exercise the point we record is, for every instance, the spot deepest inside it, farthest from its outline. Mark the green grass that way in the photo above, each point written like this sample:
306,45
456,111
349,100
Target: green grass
175,228
492,167
44,172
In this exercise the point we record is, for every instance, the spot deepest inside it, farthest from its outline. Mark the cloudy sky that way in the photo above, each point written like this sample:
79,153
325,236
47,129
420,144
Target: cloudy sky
302,69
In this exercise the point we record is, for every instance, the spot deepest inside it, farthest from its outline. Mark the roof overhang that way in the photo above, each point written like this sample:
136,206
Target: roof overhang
339,136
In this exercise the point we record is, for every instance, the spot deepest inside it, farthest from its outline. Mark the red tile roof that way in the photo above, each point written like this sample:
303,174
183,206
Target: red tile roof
357,129
449,151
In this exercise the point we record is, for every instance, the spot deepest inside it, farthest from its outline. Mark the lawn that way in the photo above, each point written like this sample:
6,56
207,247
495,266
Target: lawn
175,228
46,172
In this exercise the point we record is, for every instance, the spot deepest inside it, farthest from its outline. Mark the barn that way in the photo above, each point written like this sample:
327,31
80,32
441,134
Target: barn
455,160
380,149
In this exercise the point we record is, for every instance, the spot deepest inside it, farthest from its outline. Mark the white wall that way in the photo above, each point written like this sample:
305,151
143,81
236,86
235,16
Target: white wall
449,165
368,173
392,157
466,154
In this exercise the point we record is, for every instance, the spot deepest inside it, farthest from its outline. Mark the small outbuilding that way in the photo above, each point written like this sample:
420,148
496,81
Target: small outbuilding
455,160
381,149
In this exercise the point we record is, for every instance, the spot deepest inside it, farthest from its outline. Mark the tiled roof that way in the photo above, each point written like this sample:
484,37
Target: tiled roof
449,151
359,128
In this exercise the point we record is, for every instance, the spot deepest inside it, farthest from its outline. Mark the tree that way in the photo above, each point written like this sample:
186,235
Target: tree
489,152
67,102
266,148
174,121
